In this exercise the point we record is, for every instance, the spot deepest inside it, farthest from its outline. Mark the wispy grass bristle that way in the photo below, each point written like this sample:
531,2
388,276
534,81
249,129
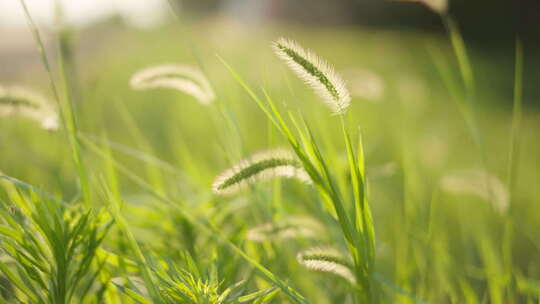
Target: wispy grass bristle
184,78
289,228
327,260
19,101
480,184
315,72
260,167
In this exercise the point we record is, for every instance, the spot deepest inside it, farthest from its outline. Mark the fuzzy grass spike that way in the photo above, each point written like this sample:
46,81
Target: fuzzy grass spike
259,167
184,78
289,228
19,101
480,184
316,73
327,260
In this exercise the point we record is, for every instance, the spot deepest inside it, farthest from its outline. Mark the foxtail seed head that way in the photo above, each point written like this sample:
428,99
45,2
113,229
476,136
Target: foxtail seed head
259,167
289,228
316,73
327,260
18,101
480,184
184,78
438,6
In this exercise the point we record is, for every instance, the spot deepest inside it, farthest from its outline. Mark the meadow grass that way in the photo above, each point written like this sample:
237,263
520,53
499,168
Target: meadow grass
424,194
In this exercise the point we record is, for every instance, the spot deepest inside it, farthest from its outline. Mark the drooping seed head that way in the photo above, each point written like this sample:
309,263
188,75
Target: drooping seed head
18,101
259,167
327,260
291,227
315,72
480,184
438,6
184,78
365,84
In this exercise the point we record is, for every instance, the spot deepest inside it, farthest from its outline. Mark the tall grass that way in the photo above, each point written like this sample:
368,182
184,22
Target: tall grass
63,96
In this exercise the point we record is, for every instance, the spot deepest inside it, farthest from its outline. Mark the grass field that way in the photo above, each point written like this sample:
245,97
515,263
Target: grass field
423,191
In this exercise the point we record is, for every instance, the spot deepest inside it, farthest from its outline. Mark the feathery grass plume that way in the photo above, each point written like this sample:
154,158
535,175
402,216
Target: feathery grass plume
291,227
327,260
365,84
184,78
19,101
315,72
480,184
260,167
384,170
438,6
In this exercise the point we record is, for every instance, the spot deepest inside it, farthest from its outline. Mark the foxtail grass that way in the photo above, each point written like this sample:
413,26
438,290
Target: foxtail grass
473,182
327,260
183,78
288,228
316,73
356,224
259,167
19,101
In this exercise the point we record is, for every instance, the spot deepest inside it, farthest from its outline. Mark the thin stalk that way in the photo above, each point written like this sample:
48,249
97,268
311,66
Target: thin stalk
460,51
513,157
467,75
517,114
65,105
219,113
